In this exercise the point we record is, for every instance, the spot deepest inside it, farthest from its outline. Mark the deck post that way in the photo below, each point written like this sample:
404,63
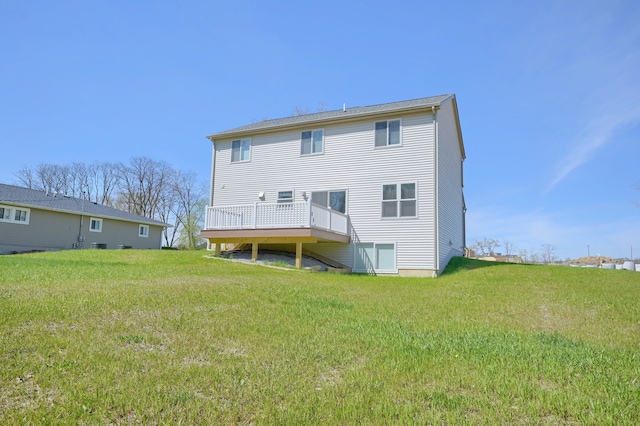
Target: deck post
298,255
218,249
254,252
255,215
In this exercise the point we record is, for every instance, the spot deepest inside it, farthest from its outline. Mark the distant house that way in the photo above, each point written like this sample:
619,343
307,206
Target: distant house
378,189
35,220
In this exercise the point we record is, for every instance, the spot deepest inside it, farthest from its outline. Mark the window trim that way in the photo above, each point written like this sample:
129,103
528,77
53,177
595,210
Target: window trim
9,214
146,233
240,141
374,261
398,200
285,200
312,153
98,220
387,144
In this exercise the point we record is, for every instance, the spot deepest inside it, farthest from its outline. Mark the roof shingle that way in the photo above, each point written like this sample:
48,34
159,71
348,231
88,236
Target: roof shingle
31,198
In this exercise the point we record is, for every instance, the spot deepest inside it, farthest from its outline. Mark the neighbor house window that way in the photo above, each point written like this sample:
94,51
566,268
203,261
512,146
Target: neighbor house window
143,231
335,200
285,196
312,142
375,257
387,133
5,213
399,200
14,215
95,225
241,150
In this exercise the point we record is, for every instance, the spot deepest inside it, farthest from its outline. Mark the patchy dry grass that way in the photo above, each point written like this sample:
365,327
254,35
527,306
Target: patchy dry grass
151,337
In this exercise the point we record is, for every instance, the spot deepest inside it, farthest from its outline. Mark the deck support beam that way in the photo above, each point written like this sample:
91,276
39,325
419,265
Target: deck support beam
254,252
298,255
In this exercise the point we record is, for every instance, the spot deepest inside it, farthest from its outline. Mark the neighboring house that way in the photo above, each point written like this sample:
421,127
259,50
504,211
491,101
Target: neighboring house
36,220
378,189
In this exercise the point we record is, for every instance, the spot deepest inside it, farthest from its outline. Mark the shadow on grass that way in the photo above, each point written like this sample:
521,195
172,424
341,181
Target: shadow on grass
461,264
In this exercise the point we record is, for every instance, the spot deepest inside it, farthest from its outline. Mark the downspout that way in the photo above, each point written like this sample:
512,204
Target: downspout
435,192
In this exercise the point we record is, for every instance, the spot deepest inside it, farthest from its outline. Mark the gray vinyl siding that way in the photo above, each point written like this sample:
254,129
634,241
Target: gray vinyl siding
349,162
51,230
450,199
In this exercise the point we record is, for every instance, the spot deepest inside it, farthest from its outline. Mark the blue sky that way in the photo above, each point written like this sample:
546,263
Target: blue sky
548,93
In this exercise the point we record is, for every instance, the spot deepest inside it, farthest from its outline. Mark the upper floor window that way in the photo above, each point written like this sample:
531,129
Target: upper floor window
143,231
14,215
388,133
95,225
241,150
312,142
399,200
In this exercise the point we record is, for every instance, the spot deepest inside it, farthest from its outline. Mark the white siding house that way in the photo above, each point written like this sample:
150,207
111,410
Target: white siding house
378,189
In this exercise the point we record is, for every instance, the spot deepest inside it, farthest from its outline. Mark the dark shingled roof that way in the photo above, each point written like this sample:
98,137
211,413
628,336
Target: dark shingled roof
348,113
31,198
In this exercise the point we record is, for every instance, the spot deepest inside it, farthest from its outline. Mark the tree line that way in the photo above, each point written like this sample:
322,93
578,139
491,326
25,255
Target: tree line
488,246
143,186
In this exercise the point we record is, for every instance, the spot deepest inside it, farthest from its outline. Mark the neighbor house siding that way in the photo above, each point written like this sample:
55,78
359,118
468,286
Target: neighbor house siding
52,230
350,162
450,204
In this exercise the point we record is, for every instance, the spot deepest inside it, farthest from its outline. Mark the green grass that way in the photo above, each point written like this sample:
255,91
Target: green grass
169,337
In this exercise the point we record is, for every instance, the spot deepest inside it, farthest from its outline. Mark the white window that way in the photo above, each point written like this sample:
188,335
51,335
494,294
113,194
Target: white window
376,257
388,133
95,225
335,200
399,200
312,142
285,196
14,215
143,231
241,150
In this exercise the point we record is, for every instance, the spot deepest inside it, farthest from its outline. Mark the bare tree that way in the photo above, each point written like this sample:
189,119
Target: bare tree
485,246
26,177
299,110
142,183
509,249
548,253
191,204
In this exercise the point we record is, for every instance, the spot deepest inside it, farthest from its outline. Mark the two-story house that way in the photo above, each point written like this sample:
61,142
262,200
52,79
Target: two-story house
377,188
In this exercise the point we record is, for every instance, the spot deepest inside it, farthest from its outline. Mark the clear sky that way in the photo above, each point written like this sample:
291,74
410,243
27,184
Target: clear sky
548,93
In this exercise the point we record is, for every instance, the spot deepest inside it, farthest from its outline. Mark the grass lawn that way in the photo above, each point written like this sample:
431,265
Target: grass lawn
167,337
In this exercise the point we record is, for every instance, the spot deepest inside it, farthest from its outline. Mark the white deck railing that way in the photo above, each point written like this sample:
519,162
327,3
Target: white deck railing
301,214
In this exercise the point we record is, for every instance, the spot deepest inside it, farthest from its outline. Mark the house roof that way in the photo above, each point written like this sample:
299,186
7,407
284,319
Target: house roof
31,198
335,115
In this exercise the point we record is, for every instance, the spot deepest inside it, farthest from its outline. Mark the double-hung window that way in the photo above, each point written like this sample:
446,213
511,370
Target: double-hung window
143,231
241,150
95,225
388,133
312,142
14,215
399,200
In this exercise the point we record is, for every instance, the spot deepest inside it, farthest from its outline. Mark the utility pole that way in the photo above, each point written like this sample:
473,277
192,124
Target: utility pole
588,251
